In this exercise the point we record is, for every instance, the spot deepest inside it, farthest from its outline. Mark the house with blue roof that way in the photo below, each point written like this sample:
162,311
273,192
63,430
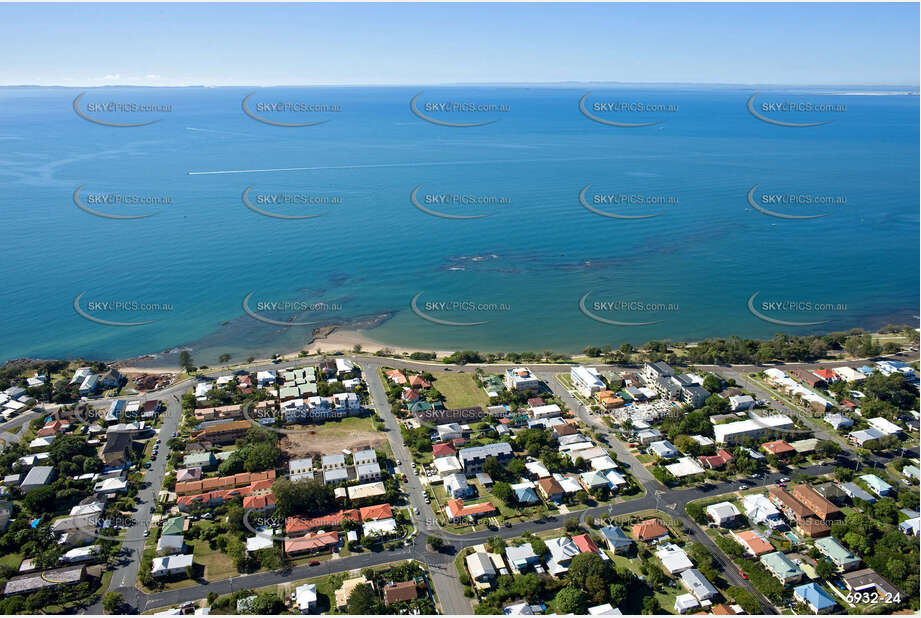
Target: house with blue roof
616,539
815,597
525,494
877,485
866,370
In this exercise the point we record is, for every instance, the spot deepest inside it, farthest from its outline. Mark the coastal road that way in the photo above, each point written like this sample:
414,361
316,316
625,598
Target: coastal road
125,573
444,576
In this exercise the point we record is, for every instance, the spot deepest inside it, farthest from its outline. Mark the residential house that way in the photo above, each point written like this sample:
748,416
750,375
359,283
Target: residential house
876,484
550,489
38,476
698,585
754,544
398,592
814,596
167,566
674,559
616,539
724,514
663,449
562,551
868,580
456,510
481,568
650,530
522,557
782,567
456,486
843,559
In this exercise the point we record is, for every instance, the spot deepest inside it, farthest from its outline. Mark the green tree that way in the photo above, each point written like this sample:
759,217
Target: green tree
745,599
362,600
111,602
436,542
185,361
570,600
825,569
539,547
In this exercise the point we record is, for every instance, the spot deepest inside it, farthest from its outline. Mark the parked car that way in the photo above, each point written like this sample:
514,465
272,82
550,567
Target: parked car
314,563
743,574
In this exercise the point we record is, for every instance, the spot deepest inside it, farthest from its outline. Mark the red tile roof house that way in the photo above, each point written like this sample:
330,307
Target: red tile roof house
650,530
585,544
419,382
396,376
400,591
53,428
753,543
443,449
719,460
535,402
828,375
295,526
778,448
410,394
312,543
456,509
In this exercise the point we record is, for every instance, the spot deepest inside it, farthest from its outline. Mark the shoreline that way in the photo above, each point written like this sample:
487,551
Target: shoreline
325,340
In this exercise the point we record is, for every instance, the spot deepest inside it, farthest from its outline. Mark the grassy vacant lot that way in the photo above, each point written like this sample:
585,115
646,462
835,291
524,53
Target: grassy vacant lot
460,390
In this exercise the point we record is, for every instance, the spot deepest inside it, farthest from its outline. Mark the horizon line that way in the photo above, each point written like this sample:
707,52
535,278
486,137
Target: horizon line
911,88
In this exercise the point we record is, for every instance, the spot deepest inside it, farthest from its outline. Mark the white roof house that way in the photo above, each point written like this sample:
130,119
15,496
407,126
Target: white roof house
603,463
546,411
537,469
305,597
663,449
562,550
456,485
685,466
838,420
380,527
674,559
760,510
168,565
884,426
447,466
266,378
170,544
723,512
685,603
849,374
586,380
698,585
605,609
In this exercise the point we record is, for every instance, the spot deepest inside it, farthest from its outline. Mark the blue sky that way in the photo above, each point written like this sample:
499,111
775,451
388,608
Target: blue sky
271,44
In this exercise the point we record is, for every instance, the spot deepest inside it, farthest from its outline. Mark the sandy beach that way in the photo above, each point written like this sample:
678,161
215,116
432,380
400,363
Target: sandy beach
344,340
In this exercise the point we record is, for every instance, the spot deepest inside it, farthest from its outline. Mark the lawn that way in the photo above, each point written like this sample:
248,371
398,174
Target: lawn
460,391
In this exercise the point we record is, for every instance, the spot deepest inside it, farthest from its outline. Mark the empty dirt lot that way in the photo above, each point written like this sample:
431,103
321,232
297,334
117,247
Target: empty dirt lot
352,433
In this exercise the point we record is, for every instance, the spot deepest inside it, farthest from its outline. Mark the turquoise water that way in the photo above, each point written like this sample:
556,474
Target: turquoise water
537,253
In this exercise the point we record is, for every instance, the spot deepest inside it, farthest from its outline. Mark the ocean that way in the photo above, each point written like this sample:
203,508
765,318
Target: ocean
378,175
